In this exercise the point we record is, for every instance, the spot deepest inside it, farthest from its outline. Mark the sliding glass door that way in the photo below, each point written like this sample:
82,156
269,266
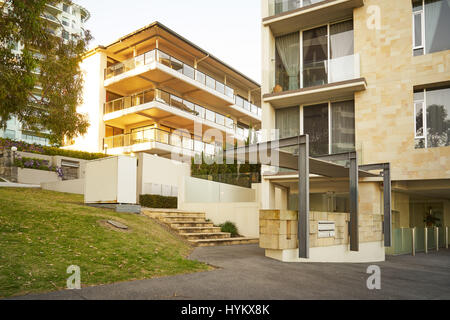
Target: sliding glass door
315,124
315,57
330,126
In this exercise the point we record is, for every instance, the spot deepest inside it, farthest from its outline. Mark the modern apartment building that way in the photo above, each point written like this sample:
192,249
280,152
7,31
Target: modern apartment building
64,21
371,76
151,91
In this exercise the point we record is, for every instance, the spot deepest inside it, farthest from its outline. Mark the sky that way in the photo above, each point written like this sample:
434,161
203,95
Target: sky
229,30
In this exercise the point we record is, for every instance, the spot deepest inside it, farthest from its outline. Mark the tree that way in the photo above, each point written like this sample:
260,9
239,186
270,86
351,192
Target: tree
47,60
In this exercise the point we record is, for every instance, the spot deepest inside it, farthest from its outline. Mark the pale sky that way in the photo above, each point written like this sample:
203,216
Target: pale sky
230,30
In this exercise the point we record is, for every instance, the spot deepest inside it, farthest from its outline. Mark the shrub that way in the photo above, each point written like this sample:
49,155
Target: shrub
48,151
37,164
158,202
229,227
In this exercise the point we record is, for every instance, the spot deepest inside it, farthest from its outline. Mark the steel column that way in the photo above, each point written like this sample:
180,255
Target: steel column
303,198
354,227
387,188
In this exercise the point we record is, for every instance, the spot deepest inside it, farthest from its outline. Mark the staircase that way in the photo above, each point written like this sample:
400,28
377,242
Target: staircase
195,229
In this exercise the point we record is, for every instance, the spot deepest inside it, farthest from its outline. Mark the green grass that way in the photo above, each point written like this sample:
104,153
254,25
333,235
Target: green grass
42,233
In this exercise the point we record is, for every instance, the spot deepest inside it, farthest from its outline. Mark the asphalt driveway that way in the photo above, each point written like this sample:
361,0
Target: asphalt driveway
244,273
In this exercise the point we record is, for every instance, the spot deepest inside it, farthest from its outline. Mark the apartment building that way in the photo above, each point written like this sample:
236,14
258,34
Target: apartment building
371,76
64,21
155,92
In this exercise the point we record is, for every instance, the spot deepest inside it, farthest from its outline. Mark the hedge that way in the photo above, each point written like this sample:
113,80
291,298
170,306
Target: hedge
158,202
49,151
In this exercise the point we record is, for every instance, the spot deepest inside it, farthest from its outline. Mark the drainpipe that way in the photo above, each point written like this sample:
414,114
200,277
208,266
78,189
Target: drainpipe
196,62
426,240
437,238
413,233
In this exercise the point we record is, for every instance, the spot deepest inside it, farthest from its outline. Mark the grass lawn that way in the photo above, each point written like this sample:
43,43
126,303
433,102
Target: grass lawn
42,233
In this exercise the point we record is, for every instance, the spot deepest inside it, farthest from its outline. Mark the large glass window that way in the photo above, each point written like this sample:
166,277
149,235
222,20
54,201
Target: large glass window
431,21
287,121
342,126
315,120
330,126
287,62
433,128
315,57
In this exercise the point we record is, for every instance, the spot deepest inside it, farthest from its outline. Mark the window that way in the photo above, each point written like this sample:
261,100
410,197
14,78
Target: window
315,119
432,128
431,22
330,126
287,120
67,8
65,35
315,57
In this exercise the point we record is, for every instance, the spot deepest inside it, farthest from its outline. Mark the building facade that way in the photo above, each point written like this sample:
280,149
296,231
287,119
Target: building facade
154,91
366,75
64,21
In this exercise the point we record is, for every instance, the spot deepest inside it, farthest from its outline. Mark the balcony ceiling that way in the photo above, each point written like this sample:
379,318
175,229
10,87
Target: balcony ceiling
316,94
310,16
156,112
164,78
146,36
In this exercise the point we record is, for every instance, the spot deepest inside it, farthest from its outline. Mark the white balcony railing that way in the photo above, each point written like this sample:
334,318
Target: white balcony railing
281,6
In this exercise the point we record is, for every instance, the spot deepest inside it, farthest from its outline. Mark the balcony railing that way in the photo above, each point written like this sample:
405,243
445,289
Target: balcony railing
281,6
186,142
170,100
317,73
171,62
183,68
246,105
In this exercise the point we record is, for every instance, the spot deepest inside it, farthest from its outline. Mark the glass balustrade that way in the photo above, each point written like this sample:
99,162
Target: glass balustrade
403,239
171,62
183,141
183,68
170,100
281,6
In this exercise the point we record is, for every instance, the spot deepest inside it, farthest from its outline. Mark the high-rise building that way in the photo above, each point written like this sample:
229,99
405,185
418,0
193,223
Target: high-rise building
64,21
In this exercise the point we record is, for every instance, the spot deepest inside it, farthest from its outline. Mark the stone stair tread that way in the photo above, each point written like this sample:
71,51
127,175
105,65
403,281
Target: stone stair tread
205,234
224,240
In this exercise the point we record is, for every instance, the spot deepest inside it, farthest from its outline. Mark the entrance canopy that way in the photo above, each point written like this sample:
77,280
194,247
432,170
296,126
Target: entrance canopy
293,153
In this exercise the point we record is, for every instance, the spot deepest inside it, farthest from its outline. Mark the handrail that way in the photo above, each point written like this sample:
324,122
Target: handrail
181,67
170,100
281,6
190,142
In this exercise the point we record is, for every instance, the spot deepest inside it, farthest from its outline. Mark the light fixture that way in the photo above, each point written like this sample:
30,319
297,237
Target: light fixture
14,149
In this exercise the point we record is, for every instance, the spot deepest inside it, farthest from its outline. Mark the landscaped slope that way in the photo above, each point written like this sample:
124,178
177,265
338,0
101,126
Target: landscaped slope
42,233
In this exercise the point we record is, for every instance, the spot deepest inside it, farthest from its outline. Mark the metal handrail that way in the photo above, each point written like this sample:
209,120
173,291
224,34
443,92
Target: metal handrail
170,100
180,66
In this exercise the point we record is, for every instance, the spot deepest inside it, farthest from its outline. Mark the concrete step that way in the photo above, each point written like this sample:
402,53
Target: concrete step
206,236
175,219
191,224
223,242
160,213
198,229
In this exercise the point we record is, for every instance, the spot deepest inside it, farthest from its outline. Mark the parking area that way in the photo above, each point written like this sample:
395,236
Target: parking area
243,272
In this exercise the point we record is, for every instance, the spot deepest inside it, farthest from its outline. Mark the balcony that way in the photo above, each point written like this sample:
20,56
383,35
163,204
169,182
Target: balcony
158,67
51,18
317,81
158,141
157,104
290,15
115,74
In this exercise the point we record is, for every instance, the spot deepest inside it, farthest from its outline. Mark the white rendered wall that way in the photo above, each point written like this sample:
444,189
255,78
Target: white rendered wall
94,97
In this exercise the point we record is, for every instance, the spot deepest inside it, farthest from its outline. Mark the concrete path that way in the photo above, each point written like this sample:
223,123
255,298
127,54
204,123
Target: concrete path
244,273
